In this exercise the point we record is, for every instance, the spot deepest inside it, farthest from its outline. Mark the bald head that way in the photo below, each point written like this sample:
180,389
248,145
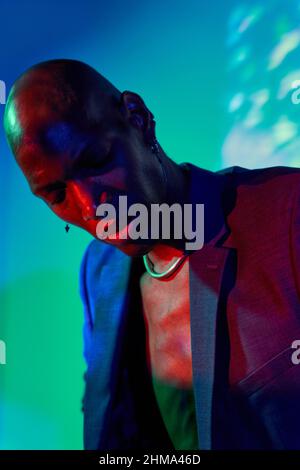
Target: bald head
80,142
57,91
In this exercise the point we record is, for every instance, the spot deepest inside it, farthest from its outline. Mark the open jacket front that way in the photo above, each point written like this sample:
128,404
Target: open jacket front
245,315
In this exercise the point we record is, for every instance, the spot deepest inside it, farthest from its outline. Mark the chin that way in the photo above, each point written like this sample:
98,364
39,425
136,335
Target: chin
130,248
133,250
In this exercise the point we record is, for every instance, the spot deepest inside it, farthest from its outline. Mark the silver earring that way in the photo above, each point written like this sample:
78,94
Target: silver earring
154,147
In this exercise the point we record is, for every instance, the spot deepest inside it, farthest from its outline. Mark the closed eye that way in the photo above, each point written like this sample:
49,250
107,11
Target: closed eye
90,161
58,197
53,193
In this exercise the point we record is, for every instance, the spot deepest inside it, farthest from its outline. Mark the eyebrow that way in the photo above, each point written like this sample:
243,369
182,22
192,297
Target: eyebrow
80,158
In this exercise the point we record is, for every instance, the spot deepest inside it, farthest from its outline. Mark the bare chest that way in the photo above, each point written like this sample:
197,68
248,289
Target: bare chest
166,309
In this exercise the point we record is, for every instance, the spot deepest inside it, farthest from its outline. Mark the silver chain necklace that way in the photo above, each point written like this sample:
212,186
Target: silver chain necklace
150,269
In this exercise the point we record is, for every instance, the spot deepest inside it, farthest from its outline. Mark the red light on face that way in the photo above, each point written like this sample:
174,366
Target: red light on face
103,197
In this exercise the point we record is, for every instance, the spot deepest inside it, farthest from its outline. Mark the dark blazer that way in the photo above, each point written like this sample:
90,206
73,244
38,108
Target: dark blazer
245,314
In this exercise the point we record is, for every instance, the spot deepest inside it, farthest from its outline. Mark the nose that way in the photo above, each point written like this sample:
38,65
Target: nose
84,198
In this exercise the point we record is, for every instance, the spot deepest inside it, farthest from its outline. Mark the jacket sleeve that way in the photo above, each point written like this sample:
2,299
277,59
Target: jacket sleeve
87,320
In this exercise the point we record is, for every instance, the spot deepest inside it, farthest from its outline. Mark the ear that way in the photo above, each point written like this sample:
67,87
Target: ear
138,115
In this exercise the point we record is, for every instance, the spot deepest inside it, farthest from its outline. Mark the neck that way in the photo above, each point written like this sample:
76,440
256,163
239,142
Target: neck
177,180
177,192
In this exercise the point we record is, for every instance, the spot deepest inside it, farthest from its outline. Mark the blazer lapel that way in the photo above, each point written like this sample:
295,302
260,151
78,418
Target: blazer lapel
110,299
206,271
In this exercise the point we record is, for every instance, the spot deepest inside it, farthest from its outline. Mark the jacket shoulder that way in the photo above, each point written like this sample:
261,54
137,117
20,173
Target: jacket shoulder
266,171
284,178
98,253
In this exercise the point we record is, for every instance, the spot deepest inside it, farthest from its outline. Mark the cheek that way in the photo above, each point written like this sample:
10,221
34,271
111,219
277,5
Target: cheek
67,212
116,178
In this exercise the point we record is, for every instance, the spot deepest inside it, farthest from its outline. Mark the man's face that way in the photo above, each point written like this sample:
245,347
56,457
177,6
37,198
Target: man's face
74,168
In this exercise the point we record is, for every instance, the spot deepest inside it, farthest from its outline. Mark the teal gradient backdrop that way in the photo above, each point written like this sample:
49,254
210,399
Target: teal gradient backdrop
197,64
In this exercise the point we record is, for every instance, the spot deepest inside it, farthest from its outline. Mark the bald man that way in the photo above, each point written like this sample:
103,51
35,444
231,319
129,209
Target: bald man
185,348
